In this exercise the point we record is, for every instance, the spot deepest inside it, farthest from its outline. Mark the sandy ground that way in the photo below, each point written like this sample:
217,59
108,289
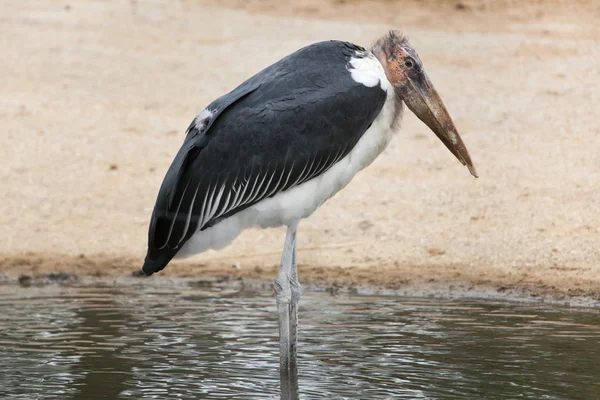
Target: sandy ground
95,97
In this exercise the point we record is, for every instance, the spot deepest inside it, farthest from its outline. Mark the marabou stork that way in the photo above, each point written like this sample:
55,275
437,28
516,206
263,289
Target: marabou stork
273,150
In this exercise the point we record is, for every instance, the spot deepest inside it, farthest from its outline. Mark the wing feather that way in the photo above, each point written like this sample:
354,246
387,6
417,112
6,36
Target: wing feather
205,204
278,184
227,204
189,215
215,205
242,192
210,203
265,188
175,214
254,189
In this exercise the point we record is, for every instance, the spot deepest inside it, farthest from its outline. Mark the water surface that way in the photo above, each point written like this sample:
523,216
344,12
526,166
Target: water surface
190,342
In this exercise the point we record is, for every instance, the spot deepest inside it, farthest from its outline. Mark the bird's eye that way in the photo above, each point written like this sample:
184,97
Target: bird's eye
408,63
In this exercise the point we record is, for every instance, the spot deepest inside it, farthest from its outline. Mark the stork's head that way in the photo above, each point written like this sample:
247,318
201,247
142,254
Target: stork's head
404,70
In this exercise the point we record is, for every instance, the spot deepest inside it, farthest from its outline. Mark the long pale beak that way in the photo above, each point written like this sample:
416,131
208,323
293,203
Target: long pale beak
422,99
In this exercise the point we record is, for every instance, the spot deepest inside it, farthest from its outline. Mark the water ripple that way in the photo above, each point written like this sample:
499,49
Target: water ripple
195,342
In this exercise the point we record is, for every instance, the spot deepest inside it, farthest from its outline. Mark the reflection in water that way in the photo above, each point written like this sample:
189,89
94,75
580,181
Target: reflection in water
192,342
99,321
289,383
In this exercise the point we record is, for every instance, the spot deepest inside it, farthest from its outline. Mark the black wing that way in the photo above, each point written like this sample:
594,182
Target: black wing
282,127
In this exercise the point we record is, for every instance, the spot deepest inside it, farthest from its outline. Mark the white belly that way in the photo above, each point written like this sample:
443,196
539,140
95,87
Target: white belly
301,201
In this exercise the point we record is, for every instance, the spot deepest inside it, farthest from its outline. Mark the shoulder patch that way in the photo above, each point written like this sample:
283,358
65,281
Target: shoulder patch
366,69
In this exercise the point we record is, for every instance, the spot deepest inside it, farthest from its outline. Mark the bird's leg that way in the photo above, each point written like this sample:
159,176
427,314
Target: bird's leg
296,290
291,379
283,295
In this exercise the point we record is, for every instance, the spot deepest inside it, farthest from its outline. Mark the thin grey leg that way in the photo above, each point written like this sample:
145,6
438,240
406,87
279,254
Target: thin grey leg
284,336
289,386
287,292
283,295
296,294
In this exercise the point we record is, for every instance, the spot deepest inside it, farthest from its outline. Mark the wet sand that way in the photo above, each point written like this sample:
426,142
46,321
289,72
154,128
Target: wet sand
96,97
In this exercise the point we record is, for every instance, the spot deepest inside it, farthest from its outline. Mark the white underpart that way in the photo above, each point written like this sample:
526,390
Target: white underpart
301,201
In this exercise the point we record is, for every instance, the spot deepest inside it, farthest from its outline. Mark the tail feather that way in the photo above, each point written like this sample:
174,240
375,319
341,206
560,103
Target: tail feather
156,260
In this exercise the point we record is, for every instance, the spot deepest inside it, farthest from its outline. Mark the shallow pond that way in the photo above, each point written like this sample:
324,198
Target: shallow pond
190,342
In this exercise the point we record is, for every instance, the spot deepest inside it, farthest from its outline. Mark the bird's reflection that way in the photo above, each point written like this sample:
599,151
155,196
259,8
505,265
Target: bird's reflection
289,382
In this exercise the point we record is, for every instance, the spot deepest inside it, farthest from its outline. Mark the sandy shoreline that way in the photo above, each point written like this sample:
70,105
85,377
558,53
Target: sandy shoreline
93,114
454,281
